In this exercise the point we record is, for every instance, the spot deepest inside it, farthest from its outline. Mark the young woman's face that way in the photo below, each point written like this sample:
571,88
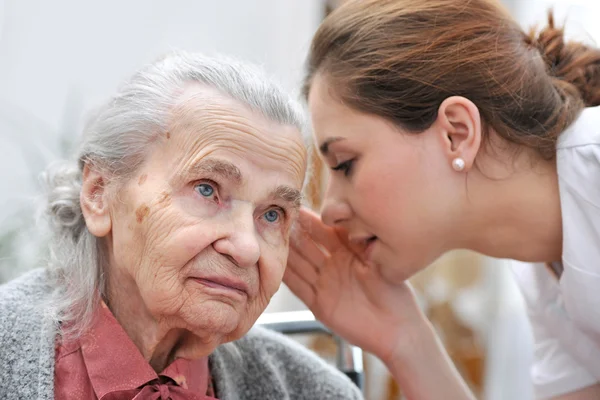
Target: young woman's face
394,192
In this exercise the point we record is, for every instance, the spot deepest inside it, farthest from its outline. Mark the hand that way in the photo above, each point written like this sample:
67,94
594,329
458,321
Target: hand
350,297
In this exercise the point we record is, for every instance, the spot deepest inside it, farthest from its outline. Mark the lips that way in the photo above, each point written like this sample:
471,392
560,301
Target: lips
370,240
369,244
224,283
364,243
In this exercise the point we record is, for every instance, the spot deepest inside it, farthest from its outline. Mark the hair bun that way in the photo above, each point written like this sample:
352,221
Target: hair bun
570,62
62,182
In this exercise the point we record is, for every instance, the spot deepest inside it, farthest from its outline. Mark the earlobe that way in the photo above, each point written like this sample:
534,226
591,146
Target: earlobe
94,204
460,125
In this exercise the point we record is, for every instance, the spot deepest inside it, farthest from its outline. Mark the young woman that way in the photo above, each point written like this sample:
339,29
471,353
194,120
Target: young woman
446,126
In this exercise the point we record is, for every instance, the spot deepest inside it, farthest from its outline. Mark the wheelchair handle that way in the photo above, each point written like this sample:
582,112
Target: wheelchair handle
349,358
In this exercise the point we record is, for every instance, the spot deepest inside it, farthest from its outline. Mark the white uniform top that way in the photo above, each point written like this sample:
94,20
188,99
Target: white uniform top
565,313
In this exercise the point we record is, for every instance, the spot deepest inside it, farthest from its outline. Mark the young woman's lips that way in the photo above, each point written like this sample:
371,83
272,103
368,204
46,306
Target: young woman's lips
369,244
365,245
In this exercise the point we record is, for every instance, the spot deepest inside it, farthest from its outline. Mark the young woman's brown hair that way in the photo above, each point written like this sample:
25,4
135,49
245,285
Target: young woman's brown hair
399,59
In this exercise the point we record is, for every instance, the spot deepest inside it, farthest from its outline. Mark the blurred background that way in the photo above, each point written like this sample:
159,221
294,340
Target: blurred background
59,59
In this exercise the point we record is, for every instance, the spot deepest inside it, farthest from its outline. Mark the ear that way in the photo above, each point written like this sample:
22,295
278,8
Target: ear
459,126
94,202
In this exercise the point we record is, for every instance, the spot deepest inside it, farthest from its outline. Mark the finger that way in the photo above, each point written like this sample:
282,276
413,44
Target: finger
300,287
306,270
358,249
309,250
311,223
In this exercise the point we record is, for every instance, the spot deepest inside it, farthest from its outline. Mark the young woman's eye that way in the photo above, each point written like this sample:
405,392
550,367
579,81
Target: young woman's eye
272,216
345,167
205,189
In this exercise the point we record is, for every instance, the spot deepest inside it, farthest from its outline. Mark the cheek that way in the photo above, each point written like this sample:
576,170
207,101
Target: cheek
274,253
157,249
392,195
383,187
127,246
271,271
276,237
167,261
175,232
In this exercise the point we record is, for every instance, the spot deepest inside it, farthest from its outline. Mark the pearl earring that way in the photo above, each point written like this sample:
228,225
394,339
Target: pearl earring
458,164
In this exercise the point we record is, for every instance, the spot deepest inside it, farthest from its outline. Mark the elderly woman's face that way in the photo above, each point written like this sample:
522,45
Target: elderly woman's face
203,227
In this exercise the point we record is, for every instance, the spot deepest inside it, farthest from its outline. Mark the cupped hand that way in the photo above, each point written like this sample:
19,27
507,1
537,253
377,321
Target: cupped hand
345,293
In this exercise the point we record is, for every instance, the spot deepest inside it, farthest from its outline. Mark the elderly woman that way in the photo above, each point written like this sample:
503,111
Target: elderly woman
170,236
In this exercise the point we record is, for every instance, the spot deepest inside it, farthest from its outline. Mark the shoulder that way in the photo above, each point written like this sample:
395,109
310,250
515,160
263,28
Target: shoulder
268,365
25,291
26,345
583,132
565,359
578,164
21,303
22,307
578,155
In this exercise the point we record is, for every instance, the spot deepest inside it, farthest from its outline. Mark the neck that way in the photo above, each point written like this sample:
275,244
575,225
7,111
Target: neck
515,211
158,341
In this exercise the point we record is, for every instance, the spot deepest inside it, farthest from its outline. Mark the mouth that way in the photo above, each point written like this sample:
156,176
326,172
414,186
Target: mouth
223,284
370,240
362,241
369,243
365,244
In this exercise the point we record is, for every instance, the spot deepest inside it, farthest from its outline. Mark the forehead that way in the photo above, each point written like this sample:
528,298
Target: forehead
331,117
205,122
321,98
339,128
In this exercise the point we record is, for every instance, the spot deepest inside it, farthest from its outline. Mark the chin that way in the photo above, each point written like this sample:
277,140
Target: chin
395,272
394,276
212,317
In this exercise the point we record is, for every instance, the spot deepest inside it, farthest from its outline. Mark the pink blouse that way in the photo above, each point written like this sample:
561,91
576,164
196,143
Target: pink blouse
105,364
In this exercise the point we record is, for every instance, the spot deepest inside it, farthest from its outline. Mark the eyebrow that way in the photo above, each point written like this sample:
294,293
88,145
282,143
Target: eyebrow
231,172
214,166
289,195
324,147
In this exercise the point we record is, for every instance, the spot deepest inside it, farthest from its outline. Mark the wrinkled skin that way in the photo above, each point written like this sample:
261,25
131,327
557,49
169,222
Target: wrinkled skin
198,239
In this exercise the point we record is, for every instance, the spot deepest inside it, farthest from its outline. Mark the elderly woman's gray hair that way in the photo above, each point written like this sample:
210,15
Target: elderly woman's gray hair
116,141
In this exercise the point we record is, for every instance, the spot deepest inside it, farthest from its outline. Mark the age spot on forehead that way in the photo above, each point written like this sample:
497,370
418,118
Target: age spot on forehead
142,179
168,135
141,212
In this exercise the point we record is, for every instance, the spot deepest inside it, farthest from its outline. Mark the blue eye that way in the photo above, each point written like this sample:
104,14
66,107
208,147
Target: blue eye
271,216
205,189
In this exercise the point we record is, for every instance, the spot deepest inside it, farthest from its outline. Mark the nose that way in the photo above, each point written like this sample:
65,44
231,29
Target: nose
335,211
241,243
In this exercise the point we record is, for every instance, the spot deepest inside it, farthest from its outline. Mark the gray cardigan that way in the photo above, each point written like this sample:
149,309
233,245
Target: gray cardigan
262,365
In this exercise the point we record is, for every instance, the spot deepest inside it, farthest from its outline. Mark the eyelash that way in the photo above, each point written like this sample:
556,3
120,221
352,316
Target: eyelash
345,167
